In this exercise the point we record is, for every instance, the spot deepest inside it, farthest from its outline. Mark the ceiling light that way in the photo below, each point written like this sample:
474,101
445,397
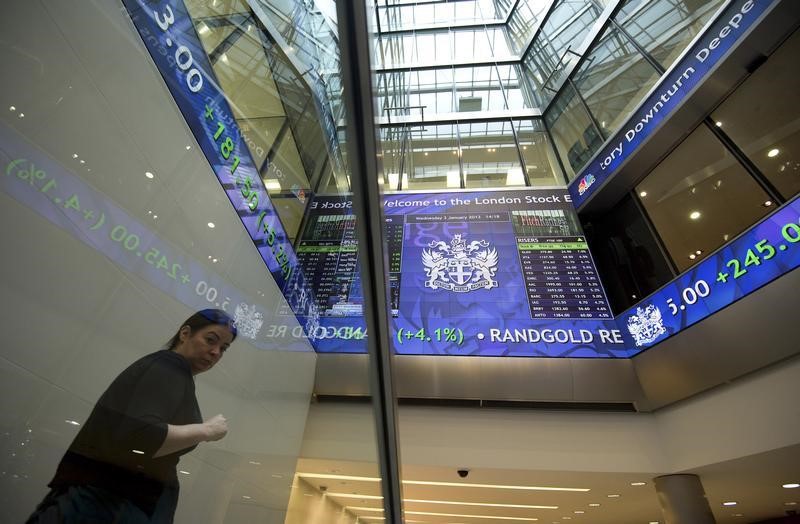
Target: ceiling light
73,422
338,477
148,174
355,496
211,225
138,452
613,496
698,252
694,215
426,153
594,505
692,256
767,203
725,237
363,508
491,486
184,472
644,483
487,504
74,155
566,518
790,503
643,194
188,148
492,517
729,503
434,483
12,108
276,476
22,115
791,485
772,153
245,497
224,58
738,515
653,522
718,123
214,260
524,147
579,511
82,161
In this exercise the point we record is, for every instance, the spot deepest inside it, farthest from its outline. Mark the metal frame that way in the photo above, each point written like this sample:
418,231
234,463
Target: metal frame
362,148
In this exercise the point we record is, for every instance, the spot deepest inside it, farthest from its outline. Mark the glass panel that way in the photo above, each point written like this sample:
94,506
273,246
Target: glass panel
762,117
576,138
116,229
433,161
537,152
699,197
628,258
665,27
490,156
565,29
613,79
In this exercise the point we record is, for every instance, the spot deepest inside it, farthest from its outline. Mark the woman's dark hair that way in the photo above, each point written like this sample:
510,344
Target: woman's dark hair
202,319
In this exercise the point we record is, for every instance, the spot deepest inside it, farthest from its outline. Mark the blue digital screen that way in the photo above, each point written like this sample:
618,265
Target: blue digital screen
766,251
507,273
168,33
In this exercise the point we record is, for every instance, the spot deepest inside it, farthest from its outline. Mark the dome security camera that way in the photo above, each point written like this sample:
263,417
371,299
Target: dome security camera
463,473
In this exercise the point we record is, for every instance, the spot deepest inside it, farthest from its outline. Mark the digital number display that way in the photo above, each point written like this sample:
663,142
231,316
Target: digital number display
761,254
169,35
469,273
41,184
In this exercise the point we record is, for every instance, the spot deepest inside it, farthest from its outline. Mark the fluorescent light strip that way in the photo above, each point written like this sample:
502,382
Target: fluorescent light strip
523,506
363,508
434,483
468,516
354,496
338,477
491,486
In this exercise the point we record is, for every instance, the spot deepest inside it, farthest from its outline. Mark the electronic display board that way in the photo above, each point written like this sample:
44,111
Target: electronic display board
761,254
469,273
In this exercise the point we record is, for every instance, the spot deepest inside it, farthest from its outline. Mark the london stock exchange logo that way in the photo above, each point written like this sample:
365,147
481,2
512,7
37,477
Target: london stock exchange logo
646,325
460,267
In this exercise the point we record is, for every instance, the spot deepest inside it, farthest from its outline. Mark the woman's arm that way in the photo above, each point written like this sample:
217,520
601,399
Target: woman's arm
188,435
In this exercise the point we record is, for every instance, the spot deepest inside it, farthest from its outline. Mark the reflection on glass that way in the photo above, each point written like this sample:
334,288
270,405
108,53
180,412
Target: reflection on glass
665,27
700,197
565,28
541,164
576,137
628,258
612,80
761,116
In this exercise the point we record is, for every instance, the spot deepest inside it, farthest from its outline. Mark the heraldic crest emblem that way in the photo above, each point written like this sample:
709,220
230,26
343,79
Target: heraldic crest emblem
459,266
646,325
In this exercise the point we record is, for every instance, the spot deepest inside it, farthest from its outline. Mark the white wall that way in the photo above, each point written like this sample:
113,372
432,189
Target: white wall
755,414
